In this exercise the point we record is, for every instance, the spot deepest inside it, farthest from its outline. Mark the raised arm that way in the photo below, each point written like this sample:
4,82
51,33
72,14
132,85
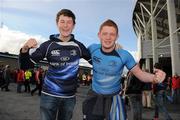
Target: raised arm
31,43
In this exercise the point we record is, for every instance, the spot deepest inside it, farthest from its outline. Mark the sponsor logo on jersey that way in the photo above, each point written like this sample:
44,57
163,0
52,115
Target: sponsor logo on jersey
55,52
96,59
65,58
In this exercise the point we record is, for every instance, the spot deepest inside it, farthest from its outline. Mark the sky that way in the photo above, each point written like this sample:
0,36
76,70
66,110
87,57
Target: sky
24,19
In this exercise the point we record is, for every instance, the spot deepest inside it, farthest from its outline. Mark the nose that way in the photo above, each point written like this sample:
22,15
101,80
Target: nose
65,24
108,36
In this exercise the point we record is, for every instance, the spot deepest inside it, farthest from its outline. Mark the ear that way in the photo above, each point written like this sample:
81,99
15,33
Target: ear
99,35
74,26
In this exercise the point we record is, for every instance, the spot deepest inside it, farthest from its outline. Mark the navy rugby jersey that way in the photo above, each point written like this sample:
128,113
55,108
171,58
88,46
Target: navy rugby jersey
108,68
63,59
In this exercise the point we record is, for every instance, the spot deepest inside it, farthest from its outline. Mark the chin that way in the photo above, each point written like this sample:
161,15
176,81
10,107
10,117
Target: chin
108,46
66,35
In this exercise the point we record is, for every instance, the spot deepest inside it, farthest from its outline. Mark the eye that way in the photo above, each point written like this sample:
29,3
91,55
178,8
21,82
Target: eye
104,33
113,34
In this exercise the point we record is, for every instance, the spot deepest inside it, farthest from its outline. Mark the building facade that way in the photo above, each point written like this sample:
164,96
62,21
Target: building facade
157,26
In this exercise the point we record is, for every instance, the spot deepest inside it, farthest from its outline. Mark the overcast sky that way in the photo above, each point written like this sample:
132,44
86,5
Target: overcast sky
23,19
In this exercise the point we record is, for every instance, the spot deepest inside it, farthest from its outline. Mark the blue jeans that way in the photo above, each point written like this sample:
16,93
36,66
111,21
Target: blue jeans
159,105
19,85
52,108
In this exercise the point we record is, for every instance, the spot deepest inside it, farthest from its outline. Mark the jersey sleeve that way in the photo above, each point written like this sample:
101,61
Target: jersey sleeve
127,59
27,60
84,52
40,52
93,47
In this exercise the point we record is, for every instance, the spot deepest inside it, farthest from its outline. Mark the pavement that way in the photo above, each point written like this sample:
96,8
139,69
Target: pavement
23,106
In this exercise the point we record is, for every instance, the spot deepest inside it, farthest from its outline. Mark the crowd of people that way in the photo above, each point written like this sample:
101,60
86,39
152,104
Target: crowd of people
23,78
26,78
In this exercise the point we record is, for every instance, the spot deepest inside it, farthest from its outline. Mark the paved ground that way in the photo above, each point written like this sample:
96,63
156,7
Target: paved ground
23,106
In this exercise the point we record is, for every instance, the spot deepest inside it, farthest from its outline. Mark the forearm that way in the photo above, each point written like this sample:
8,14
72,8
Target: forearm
142,75
146,77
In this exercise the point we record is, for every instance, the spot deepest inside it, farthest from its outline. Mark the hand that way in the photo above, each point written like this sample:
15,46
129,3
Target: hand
159,76
31,43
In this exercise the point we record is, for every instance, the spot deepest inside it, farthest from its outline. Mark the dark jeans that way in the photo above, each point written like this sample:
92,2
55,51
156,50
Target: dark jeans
19,86
38,87
5,85
27,86
159,105
135,101
175,95
55,107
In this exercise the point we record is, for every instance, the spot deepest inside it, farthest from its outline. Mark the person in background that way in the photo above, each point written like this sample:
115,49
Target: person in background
39,81
20,80
89,79
7,78
28,76
175,88
134,92
63,53
159,92
84,79
146,94
103,100
1,75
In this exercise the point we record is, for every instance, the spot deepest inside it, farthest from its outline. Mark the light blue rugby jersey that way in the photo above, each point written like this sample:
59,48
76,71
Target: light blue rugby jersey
108,68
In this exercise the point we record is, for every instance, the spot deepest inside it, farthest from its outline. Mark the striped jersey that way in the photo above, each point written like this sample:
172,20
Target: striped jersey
63,60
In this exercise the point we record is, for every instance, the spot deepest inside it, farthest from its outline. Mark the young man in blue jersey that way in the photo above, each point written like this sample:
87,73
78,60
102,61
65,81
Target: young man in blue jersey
103,100
62,52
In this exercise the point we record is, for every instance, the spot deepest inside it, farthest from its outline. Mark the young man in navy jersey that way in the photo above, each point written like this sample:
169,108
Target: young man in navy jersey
63,53
103,100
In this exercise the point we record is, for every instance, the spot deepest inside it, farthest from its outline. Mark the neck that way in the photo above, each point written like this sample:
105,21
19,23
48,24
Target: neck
65,38
108,50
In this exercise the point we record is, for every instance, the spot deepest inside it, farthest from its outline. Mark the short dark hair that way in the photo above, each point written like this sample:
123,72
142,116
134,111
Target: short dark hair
66,12
109,22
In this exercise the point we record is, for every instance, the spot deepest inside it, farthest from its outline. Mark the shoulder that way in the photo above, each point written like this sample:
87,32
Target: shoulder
78,42
123,52
93,47
46,43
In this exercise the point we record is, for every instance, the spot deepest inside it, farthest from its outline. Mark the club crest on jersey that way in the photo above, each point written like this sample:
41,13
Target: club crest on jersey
73,52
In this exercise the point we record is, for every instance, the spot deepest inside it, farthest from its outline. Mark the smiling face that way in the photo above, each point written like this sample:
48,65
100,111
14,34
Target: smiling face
108,36
65,25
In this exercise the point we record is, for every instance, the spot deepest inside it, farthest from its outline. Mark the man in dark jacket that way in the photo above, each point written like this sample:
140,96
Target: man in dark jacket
6,76
134,92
